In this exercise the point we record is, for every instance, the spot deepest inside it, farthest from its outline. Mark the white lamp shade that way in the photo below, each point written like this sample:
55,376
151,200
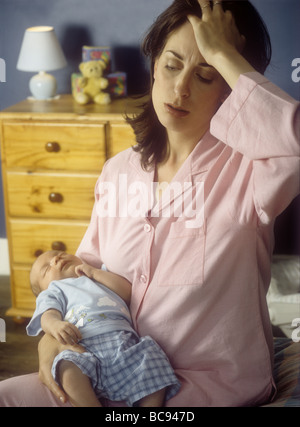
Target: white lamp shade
40,51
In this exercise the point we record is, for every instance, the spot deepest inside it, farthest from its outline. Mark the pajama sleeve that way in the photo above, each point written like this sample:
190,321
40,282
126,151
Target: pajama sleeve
262,122
89,248
51,298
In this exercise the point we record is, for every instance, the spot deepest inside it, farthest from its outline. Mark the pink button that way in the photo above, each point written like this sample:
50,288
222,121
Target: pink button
147,228
143,278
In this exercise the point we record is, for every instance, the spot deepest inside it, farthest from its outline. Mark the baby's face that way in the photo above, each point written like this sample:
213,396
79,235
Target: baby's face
53,265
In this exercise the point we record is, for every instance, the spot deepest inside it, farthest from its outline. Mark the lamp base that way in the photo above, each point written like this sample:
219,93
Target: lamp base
32,98
43,85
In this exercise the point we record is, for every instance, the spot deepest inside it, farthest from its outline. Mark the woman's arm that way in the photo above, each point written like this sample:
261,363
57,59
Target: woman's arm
89,248
48,349
220,42
262,122
258,119
114,282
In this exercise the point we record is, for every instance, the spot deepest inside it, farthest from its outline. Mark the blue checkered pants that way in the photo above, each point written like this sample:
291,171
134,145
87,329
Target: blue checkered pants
123,367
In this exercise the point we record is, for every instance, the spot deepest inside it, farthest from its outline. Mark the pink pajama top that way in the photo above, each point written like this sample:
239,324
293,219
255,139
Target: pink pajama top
199,260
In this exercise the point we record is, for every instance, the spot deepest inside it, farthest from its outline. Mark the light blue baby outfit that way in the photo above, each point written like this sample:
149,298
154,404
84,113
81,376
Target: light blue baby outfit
121,365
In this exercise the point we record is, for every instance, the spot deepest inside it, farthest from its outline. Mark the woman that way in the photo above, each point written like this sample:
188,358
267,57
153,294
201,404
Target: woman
221,142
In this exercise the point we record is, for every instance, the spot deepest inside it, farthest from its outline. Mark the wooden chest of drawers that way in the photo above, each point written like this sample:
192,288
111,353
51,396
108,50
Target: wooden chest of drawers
52,153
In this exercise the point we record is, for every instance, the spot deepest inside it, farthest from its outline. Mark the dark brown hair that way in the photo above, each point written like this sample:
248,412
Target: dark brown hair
150,134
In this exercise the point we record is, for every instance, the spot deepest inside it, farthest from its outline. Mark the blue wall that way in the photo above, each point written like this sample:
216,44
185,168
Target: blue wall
121,24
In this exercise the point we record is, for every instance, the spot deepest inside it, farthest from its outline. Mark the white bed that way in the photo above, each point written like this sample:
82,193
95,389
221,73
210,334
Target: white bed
284,307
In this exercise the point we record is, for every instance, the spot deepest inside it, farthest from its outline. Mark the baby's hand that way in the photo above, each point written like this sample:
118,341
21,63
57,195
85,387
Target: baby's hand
85,270
65,332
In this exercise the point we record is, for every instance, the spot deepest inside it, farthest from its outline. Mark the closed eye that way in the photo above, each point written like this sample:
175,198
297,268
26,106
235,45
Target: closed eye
203,79
171,68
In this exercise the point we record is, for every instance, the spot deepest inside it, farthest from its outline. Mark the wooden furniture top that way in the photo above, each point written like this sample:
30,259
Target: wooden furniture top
66,108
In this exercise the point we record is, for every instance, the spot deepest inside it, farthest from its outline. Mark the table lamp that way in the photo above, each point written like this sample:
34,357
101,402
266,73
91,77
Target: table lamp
41,51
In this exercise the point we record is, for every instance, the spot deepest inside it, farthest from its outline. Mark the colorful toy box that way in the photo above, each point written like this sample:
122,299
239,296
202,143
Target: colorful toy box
117,87
95,53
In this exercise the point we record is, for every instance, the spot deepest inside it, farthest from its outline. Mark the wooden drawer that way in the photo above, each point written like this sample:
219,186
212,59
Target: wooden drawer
22,295
31,238
121,136
62,146
41,195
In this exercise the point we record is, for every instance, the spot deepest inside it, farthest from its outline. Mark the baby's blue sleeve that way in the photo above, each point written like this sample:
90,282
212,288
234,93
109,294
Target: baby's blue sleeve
51,298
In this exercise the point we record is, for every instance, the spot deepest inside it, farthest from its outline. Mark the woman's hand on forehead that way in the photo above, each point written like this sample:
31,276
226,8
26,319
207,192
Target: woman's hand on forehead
216,32
219,41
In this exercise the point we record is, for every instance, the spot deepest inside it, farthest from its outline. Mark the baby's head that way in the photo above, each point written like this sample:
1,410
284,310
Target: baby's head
52,265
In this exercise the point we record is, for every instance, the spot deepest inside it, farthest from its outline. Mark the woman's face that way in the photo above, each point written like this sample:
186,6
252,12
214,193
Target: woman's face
186,91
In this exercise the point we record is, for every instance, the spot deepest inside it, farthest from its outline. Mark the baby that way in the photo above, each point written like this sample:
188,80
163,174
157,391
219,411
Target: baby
77,302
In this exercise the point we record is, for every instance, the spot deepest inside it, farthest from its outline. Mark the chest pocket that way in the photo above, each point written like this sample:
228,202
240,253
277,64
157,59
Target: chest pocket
182,258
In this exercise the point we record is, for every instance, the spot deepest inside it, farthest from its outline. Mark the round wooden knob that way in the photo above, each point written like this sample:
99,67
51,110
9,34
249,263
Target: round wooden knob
52,147
58,246
56,198
38,252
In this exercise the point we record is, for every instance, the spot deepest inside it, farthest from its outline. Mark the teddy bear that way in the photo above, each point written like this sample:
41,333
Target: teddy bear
92,83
